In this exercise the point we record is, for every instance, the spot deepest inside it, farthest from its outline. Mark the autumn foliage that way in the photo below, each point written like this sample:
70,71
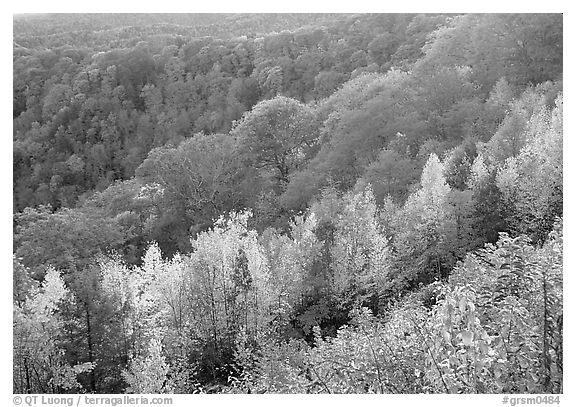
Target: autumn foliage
315,204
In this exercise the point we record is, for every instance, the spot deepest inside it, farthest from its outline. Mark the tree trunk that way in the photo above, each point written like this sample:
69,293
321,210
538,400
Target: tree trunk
90,350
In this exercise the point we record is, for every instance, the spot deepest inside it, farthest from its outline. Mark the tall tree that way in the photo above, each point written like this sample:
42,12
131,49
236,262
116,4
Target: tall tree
277,136
40,365
418,227
531,183
198,181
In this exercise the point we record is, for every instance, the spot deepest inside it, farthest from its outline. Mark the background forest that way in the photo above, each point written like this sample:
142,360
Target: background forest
293,203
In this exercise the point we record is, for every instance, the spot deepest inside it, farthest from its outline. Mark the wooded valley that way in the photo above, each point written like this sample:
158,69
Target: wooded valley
288,203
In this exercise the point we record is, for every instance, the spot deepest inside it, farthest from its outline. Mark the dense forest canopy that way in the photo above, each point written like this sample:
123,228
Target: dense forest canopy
288,203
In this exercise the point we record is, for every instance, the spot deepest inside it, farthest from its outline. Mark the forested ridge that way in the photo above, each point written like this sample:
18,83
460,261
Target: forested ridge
302,203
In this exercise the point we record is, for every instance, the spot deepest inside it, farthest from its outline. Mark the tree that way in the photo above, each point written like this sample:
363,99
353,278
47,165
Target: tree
200,303
510,137
516,46
199,180
500,321
150,305
418,227
458,164
67,239
291,259
359,120
392,175
277,135
40,365
370,355
22,282
361,257
57,98
447,101
531,182
147,374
